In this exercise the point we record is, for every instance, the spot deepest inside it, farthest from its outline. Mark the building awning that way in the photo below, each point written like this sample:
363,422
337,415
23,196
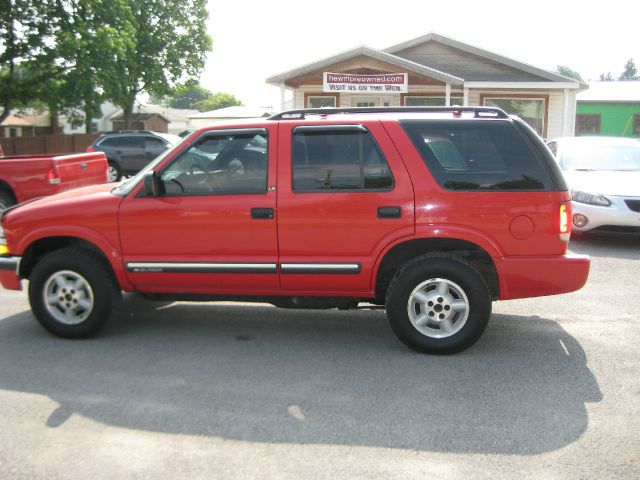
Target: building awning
298,76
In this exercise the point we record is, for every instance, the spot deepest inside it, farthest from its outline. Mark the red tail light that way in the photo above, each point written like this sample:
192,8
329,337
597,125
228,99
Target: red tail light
565,221
54,177
91,149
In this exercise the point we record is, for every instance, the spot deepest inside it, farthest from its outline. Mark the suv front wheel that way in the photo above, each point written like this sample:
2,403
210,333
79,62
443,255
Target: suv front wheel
438,304
72,294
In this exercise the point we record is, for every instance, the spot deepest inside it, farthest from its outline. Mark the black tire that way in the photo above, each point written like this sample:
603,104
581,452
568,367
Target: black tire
69,265
115,172
6,200
458,280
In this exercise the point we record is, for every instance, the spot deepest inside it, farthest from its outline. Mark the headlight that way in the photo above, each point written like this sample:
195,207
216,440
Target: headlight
590,198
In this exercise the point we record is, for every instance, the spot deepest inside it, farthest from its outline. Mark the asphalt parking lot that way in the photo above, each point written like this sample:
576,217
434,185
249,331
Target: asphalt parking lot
176,390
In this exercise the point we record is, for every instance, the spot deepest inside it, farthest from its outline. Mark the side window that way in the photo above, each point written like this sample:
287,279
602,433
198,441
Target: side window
151,143
219,164
340,159
109,142
478,155
129,142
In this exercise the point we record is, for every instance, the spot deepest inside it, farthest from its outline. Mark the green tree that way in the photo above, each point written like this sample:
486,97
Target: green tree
568,72
630,71
25,51
160,44
220,100
82,41
189,95
606,77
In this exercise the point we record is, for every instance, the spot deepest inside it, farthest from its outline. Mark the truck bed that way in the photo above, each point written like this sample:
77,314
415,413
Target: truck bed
29,176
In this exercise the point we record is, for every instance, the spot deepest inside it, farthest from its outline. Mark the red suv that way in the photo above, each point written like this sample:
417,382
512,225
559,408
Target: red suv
433,212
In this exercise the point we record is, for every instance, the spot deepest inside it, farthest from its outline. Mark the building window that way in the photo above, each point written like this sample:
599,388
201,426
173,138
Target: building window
636,124
94,127
588,124
429,101
13,132
320,102
531,110
367,101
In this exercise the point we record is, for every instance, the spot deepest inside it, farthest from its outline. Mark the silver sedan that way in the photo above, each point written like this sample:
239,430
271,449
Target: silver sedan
604,176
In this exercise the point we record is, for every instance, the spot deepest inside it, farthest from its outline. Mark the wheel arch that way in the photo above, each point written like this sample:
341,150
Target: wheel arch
40,247
8,188
399,254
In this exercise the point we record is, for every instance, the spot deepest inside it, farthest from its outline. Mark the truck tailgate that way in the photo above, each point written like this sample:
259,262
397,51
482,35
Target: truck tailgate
81,169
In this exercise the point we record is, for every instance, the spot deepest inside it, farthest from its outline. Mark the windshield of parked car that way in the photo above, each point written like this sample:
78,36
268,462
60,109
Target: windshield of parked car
592,156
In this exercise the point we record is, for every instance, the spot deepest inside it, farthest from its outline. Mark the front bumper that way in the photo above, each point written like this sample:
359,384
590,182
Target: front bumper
522,277
9,278
617,215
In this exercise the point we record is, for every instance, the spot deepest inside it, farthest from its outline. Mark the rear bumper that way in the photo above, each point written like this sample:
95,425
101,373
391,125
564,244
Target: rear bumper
9,273
522,277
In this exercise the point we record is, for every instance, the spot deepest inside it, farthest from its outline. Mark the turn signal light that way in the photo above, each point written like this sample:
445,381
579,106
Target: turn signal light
91,149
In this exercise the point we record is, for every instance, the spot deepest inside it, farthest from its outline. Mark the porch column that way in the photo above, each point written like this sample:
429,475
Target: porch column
448,95
282,90
565,116
465,97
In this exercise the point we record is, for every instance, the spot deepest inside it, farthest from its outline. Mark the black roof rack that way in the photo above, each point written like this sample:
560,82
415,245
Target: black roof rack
129,131
478,112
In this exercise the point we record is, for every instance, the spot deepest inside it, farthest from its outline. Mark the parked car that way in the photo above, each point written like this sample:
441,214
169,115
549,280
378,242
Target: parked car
24,177
186,132
604,176
128,151
432,212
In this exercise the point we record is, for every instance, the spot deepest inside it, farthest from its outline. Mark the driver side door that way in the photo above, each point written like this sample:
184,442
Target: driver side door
211,229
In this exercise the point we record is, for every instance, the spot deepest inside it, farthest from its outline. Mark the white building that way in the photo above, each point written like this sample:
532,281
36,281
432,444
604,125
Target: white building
435,70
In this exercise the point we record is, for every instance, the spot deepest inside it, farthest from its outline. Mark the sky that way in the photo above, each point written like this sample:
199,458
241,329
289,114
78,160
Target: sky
253,40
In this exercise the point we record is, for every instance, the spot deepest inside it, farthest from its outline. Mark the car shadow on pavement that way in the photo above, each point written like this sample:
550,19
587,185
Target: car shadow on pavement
260,374
626,247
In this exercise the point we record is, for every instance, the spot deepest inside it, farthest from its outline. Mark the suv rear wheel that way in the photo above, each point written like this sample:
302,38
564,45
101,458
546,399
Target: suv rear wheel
72,294
438,304
114,173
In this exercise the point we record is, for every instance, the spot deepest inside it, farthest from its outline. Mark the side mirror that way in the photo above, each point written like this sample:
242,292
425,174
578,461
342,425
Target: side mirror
151,184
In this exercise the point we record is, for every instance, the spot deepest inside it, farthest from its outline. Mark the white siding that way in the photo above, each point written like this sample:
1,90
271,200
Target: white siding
555,108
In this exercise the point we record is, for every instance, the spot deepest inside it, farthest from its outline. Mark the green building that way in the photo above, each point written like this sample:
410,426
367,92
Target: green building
609,109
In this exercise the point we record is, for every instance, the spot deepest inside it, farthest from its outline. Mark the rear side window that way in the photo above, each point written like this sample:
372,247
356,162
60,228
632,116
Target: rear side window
123,142
151,143
338,160
478,155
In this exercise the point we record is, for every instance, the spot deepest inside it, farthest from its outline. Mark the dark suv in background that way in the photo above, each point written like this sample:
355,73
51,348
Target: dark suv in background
130,151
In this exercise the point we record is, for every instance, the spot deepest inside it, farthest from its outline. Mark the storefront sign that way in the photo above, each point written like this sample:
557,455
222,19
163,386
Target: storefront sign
368,84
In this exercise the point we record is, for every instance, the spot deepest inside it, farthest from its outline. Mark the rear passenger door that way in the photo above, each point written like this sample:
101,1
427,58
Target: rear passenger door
132,156
343,196
153,147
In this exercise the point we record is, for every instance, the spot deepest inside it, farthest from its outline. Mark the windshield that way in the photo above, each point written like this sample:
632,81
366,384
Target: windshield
127,185
600,157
